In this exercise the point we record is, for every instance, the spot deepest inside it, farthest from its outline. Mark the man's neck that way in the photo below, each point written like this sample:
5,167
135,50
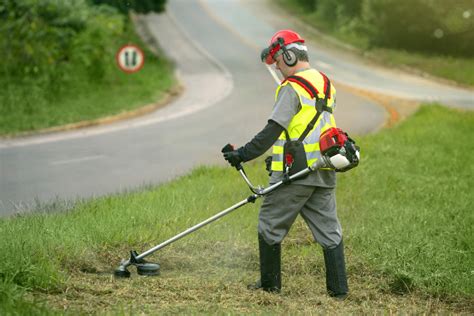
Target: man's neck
302,66
301,70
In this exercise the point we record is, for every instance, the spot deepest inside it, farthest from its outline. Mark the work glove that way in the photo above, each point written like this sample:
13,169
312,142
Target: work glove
233,157
268,165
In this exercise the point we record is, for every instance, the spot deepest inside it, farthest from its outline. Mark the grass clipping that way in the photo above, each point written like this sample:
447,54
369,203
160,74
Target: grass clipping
406,213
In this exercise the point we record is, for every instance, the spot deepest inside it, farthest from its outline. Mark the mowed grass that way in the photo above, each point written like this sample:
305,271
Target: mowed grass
406,213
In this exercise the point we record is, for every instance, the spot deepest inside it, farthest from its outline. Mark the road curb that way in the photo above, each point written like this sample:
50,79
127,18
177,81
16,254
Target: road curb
397,108
169,96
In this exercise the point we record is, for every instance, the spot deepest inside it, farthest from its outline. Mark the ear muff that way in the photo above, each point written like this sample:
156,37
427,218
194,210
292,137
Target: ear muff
289,57
278,47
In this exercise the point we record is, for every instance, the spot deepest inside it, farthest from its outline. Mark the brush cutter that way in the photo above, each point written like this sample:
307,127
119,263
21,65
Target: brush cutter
338,152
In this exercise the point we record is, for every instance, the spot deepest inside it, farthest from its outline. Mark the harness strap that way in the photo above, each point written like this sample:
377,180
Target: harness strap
305,84
321,105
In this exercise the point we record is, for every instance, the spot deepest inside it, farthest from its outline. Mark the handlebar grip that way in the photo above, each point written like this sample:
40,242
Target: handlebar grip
227,148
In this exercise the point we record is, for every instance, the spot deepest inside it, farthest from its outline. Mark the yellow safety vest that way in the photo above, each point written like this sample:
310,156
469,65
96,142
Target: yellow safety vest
301,120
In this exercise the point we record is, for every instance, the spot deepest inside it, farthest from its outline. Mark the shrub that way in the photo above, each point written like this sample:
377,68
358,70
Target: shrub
46,40
140,6
429,26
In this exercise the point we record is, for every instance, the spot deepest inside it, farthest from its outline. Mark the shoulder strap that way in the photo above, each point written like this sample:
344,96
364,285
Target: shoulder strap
321,106
313,92
327,86
305,84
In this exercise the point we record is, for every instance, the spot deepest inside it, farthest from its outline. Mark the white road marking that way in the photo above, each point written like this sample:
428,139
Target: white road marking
76,160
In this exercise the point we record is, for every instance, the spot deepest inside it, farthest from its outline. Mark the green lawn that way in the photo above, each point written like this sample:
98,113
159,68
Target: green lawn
406,213
409,209
26,105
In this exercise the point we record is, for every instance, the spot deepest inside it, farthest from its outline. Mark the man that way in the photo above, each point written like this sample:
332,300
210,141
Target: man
304,93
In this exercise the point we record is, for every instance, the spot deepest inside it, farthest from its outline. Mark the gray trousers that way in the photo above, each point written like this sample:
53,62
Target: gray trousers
316,205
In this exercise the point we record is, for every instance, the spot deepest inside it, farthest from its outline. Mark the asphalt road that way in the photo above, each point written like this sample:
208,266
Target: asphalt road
228,97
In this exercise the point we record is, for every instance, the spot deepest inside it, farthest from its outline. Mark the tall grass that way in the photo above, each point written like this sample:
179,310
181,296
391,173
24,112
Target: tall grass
409,209
406,212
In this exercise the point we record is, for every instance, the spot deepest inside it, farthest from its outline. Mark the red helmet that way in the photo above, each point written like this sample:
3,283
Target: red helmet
279,39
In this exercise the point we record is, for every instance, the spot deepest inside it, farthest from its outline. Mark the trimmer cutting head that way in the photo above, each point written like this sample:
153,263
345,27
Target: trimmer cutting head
121,272
144,267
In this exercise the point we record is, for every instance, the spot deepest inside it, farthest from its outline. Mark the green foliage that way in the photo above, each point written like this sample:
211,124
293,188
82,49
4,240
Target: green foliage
430,26
59,65
139,6
422,25
26,107
307,4
328,13
46,41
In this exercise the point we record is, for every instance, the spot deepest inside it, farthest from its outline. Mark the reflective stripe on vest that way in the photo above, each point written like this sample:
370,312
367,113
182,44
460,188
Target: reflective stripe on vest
301,120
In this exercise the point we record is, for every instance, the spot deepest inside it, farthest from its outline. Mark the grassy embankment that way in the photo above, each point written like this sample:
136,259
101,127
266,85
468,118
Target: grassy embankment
406,211
457,69
25,105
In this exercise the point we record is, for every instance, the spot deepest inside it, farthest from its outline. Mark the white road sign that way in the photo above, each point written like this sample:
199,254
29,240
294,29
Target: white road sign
130,58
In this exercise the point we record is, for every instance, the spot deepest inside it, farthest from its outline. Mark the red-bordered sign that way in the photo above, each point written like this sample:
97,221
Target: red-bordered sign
130,58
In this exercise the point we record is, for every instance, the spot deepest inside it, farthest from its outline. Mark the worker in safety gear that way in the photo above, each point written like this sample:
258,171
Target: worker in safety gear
303,91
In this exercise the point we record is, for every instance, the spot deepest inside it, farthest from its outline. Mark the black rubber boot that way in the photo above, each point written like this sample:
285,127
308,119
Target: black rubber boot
336,279
270,267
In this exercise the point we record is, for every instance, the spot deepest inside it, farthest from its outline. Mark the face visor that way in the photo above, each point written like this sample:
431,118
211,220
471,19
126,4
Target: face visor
269,55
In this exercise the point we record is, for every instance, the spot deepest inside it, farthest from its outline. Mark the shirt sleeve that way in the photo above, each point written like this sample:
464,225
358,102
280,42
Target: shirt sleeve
261,142
286,106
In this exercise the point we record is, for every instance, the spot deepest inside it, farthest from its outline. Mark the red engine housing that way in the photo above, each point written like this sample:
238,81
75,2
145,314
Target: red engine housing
339,150
332,140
